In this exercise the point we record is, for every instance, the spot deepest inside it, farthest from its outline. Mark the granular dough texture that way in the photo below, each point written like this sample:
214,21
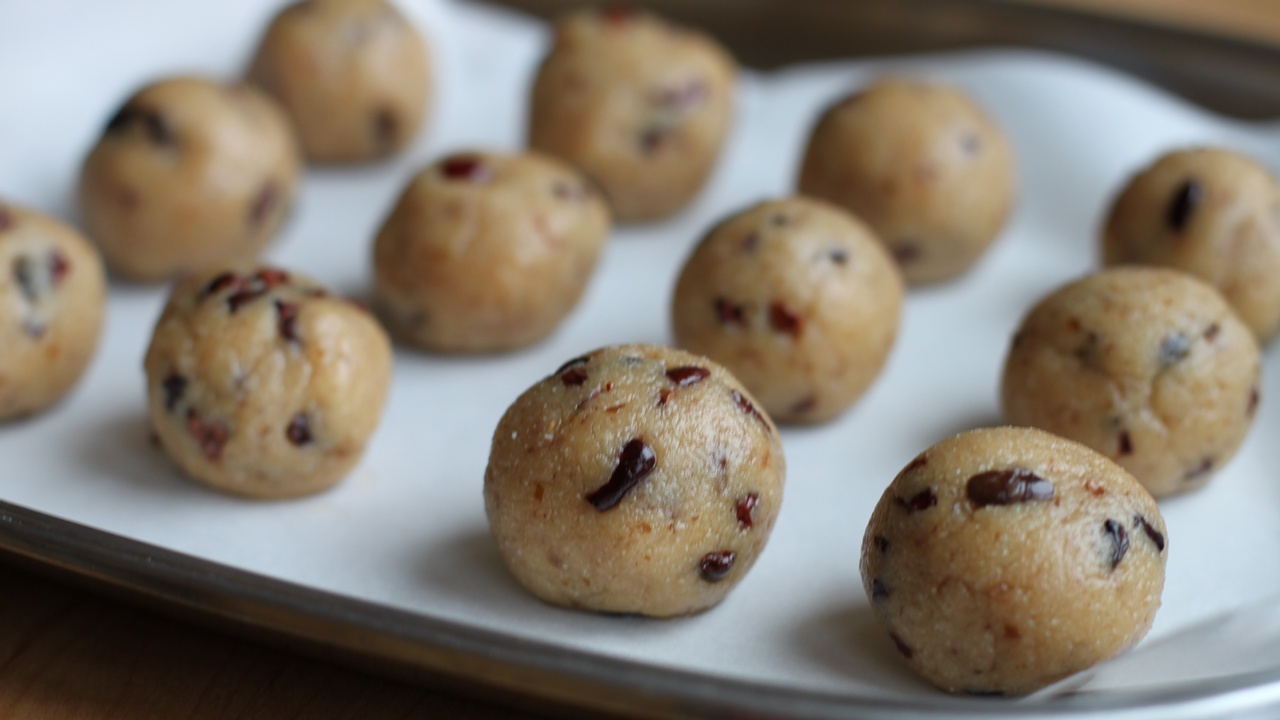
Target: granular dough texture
798,299
920,163
1212,213
641,105
1002,560
486,252
352,75
53,296
1145,365
261,383
188,175
636,479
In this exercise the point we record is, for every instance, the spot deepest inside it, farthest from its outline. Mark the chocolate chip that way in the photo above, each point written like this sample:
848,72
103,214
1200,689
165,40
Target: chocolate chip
1185,201
469,168
1088,350
1119,541
882,544
174,386
1154,534
59,266
271,277
1126,443
635,462
385,128
263,203
1211,332
784,320
879,593
24,273
729,313
287,313
715,566
922,500
905,252
750,242
918,462
838,256
1173,348
220,283
652,139
153,124
743,509
1199,471
687,375
1007,487
804,404
747,407
581,360
575,375
212,437
902,647
299,430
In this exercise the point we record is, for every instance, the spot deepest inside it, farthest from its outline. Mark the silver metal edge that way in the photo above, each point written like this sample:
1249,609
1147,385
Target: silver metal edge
481,662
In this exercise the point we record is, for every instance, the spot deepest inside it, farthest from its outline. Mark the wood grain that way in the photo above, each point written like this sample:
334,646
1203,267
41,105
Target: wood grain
66,654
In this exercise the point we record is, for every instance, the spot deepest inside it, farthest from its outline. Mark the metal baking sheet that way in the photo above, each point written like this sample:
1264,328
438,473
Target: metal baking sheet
395,567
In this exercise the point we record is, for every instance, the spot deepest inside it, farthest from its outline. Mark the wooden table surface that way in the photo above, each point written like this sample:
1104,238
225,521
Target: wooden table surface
68,653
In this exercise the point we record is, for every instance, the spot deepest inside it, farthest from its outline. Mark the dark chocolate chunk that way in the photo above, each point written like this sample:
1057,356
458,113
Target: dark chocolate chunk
729,313
747,407
1126,443
879,593
287,313
922,500
299,430
688,375
174,386
581,360
1174,348
1211,332
1007,487
220,283
575,375
1185,200
902,646
715,566
635,462
744,509
1119,541
882,544
1154,534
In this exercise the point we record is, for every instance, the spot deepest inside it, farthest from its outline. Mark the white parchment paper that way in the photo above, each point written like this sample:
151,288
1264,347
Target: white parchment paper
407,529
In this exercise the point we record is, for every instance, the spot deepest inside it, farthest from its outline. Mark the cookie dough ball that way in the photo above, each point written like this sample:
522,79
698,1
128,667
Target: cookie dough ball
1005,559
190,174
1212,213
635,479
1147,366
262,384
640,105
52,296
352,74
923,165
486,252
798,299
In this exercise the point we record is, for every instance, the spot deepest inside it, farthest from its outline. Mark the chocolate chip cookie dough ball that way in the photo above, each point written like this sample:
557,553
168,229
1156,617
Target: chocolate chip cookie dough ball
798,299
635,479
923,165
1212,213
188,175
640,105
1005,559
262,384
1147,366
52,297
352,74
487,252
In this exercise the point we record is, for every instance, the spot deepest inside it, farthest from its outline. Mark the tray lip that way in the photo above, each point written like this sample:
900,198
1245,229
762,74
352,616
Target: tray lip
264,605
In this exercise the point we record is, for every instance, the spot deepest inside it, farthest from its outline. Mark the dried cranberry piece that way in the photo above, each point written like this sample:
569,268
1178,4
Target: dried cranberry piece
784,320
175,386
744,508
715,566
1174,348
1007,487
635,462
687,375
1126,443
59,267
212,437
1185,200
730,313
1156,536
922,500
747,407
299,430
1119,541
469,168
263,203
287,314
574,376
879,593
271,277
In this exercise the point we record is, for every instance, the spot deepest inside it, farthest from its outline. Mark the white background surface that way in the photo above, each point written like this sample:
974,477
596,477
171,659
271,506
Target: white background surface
408,529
